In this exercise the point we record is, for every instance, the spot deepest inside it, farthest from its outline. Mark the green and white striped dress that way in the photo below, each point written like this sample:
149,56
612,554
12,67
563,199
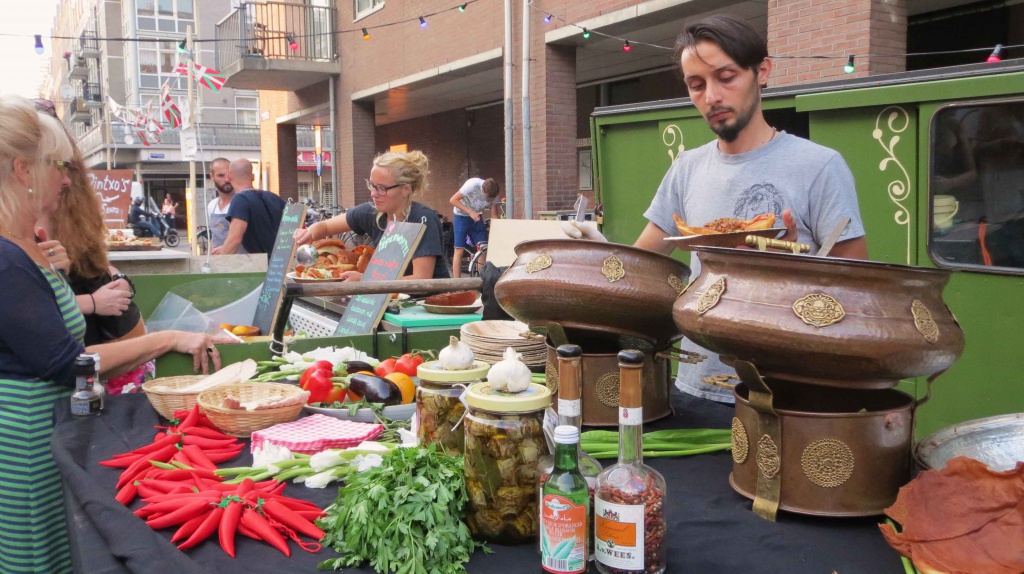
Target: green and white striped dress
33,531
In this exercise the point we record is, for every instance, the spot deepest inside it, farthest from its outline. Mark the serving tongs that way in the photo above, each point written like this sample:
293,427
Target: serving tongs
765,243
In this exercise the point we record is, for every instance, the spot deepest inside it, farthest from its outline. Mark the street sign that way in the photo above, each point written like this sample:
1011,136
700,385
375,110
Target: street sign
189,143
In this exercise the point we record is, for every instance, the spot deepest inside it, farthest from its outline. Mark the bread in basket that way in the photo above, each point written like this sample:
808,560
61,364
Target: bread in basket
242,422
169,394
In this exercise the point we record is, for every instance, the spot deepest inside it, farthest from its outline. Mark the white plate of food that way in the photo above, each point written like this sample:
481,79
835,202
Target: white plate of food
306,279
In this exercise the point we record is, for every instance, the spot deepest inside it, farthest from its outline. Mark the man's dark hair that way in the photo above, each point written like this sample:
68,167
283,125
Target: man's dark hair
219,159
739,40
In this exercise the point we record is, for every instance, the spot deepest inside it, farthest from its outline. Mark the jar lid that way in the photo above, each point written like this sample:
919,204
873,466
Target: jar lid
535,398
433,372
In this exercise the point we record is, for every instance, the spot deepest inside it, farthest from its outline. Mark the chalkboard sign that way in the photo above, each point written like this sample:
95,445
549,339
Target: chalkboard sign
394,250
269,304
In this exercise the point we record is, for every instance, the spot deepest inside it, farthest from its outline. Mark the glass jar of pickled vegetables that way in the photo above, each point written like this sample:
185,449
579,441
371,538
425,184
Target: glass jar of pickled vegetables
504,440
438,407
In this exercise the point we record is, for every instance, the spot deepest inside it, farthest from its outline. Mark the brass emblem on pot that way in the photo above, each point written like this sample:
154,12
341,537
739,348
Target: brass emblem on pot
551,377
676,284
924,322
539,263
768,460
827,462
608,390
612,269
740,443
709,298
819,310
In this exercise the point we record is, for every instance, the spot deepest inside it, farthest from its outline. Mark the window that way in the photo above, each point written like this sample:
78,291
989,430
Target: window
305,190
247,112
327,195
165,15
976,186
157,61
367,7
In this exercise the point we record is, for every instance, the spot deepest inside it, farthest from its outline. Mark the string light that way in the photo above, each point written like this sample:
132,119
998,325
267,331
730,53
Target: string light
39,44
626,47
292,44
366,35
462,8
996,55
423,23
547,18
586,34
181,46
849,67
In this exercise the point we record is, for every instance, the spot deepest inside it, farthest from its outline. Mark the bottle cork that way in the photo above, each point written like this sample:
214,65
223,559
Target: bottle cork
631,364
569,387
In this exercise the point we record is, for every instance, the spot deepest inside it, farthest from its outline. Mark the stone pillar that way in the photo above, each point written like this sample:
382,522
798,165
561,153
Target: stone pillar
555,179
287,170
836,28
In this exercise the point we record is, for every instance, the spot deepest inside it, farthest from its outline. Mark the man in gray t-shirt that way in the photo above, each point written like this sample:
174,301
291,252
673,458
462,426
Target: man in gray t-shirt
750,169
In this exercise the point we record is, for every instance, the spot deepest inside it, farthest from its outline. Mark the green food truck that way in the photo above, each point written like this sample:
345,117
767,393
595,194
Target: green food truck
938,159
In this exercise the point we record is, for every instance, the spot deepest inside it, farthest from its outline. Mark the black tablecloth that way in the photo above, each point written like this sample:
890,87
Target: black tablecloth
711,528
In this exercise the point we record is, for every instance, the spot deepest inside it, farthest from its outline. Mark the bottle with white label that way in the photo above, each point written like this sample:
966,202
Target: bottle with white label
85,401
570,412
565,509
629,502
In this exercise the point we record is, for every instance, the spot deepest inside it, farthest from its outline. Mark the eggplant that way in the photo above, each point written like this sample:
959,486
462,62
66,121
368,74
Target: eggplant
356,366
375,389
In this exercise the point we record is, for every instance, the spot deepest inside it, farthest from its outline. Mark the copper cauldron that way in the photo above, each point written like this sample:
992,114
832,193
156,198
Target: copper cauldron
828,321
843,452
592,285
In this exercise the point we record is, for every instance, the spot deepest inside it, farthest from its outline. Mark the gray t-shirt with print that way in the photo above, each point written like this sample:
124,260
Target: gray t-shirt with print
473,196
789,172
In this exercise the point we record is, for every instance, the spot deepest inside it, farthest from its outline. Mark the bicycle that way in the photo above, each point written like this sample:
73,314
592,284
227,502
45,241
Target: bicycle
477,261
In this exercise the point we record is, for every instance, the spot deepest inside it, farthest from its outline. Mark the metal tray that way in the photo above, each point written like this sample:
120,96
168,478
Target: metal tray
996,441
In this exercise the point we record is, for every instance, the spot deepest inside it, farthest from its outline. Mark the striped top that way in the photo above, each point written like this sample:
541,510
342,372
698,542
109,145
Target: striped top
73,317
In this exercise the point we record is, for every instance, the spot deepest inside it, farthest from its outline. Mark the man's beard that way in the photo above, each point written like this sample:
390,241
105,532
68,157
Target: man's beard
226,189
729,132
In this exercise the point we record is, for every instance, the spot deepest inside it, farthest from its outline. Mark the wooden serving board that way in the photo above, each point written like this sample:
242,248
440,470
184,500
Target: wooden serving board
134,247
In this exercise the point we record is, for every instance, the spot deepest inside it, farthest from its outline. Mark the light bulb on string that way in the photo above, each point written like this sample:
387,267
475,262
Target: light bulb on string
366,35
292,44
182,46
39,44
626,47
996,55
547,18
849,67
423,23
586,34
462,8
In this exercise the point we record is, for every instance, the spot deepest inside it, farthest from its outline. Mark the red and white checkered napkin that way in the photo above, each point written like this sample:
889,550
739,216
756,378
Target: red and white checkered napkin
316,433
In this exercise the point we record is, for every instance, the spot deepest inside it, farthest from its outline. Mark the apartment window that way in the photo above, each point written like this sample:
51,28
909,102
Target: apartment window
247,112
165,15
977,208
305,190
327,195
367,7
157,61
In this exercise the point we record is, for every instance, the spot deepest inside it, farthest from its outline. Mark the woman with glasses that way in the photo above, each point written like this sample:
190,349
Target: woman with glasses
396,177
40,338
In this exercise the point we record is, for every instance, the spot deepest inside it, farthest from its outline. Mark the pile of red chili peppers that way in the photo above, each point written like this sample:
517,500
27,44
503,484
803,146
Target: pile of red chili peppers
174,476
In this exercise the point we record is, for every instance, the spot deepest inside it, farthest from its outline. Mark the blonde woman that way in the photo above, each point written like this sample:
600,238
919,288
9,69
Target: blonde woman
396,177
40,337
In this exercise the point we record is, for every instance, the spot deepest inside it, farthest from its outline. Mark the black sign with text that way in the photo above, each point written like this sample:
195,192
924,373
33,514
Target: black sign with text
269,304
394,250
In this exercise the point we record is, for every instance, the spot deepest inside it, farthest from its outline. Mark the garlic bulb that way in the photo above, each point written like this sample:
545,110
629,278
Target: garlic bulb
509,374
457,356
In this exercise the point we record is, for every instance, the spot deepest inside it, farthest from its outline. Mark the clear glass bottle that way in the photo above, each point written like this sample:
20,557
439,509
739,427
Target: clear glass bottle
629,503
98,383
439,407
570,412
504,437
85,401
565,509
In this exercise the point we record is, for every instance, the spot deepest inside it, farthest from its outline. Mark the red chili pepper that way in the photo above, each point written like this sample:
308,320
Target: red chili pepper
125,460
310,514
127,493
190,419
232,515
197,456
222,456
281,513
205,529
207,433
142,464
296,504
180,516
191,526
252,520
210,443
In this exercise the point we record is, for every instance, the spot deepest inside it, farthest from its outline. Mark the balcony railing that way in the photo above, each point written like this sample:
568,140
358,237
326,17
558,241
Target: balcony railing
210,136
91,95
255,45
89,45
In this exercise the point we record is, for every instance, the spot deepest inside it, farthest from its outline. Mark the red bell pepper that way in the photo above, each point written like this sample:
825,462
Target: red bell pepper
319,386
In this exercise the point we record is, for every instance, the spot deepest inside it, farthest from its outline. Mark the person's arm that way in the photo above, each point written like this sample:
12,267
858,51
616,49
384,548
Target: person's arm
652,238
322,229
234,239
422,268
121,357
456,200
495,213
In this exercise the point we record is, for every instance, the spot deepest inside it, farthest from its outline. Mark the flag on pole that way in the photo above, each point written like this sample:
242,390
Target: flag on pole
206,76
171,112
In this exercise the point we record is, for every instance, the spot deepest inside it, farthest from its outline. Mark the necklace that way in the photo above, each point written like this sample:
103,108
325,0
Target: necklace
775,132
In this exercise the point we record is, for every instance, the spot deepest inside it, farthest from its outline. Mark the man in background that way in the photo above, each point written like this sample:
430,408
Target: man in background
469,202
217,208
254,214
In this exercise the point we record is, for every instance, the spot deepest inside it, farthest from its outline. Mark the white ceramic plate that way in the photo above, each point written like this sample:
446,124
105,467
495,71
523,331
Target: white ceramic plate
397,413
298,279
453,309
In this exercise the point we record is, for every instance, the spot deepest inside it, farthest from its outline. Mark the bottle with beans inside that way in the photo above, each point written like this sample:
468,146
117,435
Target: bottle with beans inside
570,412
629,502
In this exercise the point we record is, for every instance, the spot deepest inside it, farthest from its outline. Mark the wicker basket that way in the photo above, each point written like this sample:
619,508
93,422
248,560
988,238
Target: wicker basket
167,400
242,423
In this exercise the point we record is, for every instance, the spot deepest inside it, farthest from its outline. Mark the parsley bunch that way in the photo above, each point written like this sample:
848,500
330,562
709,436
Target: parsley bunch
404,516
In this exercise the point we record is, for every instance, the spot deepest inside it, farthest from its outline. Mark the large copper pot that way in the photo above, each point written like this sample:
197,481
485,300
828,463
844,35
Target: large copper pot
843,452
598,286
829,321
